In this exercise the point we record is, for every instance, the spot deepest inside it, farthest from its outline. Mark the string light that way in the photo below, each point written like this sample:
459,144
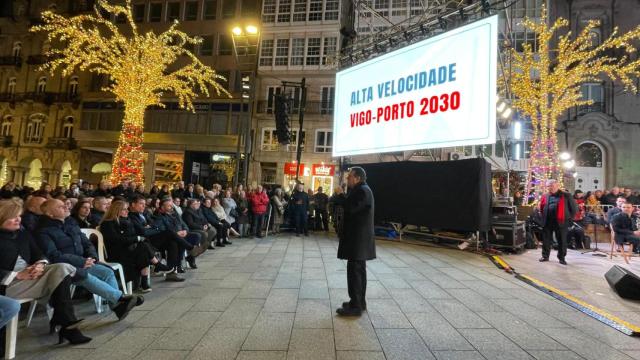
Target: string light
548,82
142,67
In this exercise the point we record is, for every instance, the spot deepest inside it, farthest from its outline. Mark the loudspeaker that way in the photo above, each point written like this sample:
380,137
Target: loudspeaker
624,282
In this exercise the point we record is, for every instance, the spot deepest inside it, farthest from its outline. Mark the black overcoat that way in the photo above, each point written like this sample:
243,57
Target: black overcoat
357,240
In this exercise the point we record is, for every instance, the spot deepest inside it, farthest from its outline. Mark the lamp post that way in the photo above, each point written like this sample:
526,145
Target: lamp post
246,41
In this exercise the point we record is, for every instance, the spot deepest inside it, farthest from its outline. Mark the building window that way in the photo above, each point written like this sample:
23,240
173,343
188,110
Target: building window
331,8
324,141
191,10
138,12
399,8
210,9
282,52
328,96
67,127
272,91
524,37
249,8
382,6
595,93
300,10
34,130
266,53
41,85
313,51
155,12
315,10
225,45
284,11
173,11
11,86
17,49
269,11
228,9
6,126
206,46
269,140
527,8
415,7
297,51
73,86
294,140
330,48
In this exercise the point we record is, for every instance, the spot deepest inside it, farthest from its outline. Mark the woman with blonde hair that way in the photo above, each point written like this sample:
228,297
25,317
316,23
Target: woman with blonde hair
28,274
126,247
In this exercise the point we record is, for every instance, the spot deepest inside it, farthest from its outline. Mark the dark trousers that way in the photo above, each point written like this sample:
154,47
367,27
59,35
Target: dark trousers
322,218
61,303
632,239
547,239
166,242
300,219
258,219
222,230
357,283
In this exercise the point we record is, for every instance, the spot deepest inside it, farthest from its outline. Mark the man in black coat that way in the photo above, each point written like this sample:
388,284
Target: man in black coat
625,226
558,209
357,243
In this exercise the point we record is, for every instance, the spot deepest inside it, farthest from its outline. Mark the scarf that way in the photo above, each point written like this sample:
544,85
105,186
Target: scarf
219,211
560,216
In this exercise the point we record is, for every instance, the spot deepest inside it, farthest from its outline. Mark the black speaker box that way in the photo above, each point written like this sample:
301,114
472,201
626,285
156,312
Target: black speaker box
624,282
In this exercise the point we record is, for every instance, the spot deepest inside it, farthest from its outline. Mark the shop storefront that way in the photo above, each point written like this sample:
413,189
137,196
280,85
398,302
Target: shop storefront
322,175
290,174
312,176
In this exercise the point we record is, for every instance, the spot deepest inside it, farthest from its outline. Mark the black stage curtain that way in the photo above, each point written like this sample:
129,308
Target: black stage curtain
448,195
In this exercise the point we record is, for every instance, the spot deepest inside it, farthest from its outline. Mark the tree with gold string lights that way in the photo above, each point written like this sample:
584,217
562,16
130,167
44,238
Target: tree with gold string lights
546,83
142,67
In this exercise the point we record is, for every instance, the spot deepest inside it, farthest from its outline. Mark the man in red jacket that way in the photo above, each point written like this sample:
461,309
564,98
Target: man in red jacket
259,201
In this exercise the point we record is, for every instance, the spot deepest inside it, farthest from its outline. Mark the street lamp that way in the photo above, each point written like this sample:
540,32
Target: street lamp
246,40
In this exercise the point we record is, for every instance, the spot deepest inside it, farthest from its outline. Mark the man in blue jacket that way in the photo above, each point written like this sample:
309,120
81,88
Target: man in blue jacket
63,242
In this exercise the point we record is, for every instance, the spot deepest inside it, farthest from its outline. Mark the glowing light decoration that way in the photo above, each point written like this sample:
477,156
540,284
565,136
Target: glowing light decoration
142,68
547,83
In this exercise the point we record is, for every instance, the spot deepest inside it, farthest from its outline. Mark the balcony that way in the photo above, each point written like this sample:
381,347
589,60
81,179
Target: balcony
11,61
595,107
62,143
6,141
47,98
313,107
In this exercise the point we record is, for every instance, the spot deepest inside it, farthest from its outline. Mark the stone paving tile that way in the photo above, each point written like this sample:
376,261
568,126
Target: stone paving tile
313,289
281,300
594,329
242,313
583,345
314,314
355,334
458,315
386,314
255,289
287,281
555,355
429,290
494,345
393,281
311,344
162,355
219,344
360,355
523,334
271,331
403,344
474,301
446,282
55,353
532,316
218,300
410,301
201,320
458,355
178,339
437,333
487,290
235,280
167,313
262,355
127,344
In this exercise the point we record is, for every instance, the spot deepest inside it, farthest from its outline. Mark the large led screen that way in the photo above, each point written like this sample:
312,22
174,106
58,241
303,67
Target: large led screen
439,92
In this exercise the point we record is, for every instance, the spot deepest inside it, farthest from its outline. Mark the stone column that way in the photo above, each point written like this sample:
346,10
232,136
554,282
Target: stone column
149,170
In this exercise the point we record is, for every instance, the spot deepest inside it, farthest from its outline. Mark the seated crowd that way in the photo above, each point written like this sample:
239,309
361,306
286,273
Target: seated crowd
45,255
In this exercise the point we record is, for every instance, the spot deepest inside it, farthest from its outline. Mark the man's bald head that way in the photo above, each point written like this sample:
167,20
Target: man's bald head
34,203
55,209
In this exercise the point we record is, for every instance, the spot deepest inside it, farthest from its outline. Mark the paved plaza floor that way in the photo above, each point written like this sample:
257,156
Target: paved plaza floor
275,298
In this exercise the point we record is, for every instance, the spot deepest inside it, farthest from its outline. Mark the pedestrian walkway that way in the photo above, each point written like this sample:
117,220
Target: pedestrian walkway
275,298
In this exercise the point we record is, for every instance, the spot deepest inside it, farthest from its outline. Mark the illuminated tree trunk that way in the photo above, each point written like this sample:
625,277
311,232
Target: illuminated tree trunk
128,161
544,161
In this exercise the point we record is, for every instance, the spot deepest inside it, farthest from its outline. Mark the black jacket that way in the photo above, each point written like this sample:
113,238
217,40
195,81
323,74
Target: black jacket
194,219
13,244
211,217
357,240
322,200
140,222
30,220
63,242
623,225
118,236
570,209
300,200
95,217
170,222
83,224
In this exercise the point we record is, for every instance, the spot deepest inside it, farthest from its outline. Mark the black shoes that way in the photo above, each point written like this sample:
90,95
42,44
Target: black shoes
161,267
227,242
561,261
349,311
347,304
211,247
144,285
219,244
74,336
180,269
125,305
173,277
192,262
543,259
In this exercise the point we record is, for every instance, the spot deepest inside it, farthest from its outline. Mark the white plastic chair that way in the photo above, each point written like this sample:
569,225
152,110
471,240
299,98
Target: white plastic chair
101,257
97,299
12,329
